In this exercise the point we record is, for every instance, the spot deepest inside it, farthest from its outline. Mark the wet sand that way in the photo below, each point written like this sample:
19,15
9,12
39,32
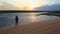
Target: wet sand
43,27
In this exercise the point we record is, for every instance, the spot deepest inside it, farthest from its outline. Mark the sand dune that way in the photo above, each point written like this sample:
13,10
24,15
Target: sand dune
43,27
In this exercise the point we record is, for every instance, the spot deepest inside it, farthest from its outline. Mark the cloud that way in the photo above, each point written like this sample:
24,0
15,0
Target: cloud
25,3
6,6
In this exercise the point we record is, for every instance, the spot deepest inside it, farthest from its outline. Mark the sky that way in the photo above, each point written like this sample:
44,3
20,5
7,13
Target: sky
55,1
30,4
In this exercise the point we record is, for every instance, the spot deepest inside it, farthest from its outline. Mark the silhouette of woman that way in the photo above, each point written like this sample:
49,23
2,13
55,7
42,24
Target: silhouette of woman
16,20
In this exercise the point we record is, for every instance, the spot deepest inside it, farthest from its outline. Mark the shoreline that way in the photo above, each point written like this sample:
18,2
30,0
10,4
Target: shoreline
23,24
44,27
27,23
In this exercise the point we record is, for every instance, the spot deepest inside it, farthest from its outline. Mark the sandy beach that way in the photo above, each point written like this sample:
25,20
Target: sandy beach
43,27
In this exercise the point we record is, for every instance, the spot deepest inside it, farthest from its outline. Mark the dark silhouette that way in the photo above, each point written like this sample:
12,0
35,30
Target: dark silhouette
16,20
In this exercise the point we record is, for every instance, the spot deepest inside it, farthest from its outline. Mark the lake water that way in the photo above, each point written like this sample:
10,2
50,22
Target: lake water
8,19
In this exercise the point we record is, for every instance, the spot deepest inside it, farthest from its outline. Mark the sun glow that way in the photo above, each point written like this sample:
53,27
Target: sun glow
27,4
32,4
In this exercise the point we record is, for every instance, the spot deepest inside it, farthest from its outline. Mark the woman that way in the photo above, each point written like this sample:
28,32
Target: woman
16,20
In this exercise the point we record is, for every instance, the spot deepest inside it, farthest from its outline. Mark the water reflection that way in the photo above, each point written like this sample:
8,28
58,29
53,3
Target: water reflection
8,19
33,18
